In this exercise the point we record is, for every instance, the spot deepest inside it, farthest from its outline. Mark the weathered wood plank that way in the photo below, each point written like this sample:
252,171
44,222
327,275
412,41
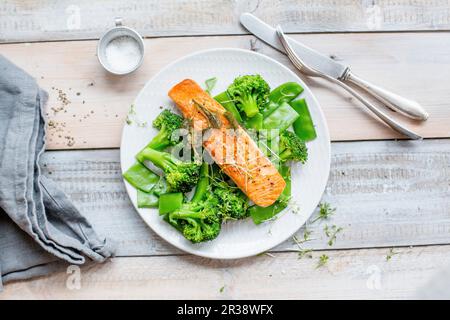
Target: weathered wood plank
44,20
349,274
387,193
412,64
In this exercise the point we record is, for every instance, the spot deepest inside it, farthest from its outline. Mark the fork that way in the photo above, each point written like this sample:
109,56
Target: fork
312,72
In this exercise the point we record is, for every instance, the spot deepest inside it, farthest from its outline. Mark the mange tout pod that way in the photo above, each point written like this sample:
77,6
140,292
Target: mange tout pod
229,145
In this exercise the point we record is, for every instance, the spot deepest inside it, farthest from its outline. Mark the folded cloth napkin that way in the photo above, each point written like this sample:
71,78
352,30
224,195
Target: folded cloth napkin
40,229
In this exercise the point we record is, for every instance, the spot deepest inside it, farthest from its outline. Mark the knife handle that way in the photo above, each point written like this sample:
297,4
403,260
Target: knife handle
407,107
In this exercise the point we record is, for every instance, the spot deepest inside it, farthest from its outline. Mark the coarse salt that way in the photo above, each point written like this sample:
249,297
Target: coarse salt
123,54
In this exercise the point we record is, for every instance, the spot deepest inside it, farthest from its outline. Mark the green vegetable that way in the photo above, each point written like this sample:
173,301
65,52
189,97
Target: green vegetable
199,219
291,147
284,93
282,118
169,202
151,199
210,84
226,102
147,200
303,126
203,183
249,93
255,123
180,176
160,187
167,122
261,214
285,196
232,203
140,177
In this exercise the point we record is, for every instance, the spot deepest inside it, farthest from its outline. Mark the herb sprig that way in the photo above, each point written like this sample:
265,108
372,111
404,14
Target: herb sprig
331,233
210,84
132,116
325,212
390,254
323,260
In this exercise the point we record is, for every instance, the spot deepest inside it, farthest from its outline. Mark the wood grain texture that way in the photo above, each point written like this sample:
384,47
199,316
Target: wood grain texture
349,274
44,20
387,194
90,108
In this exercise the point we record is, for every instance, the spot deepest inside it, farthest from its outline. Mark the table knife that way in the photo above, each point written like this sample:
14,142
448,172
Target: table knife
332,68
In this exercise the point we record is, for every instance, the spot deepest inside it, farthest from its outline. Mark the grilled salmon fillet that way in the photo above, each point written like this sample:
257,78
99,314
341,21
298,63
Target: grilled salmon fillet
229,145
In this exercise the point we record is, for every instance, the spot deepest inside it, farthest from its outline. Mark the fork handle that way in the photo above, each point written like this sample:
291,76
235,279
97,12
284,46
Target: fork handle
380,114
405,106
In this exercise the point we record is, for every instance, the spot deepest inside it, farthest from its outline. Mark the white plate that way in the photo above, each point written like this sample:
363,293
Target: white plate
237,239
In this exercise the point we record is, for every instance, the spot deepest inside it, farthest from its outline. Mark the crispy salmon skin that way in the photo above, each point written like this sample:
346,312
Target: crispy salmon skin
229,145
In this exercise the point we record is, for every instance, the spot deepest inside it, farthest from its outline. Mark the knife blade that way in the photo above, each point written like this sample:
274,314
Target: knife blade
311,57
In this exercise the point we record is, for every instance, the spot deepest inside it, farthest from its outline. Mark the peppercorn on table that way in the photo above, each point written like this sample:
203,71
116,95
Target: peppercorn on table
390,232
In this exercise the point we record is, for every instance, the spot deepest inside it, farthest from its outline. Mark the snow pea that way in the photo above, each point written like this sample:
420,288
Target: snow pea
285,171
261,214
169,202
303,126
160,187
140,177
151,199
147,200
284,93
226,102
282,118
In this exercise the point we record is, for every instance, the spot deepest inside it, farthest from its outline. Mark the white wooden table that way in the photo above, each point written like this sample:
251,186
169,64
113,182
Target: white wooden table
391,196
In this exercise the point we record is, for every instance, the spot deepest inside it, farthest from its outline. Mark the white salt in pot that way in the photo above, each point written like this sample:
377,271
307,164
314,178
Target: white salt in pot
120,50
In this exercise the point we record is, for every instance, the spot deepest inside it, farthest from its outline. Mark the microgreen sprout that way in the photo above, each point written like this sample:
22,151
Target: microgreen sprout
323,260
305,253
132,116
390,254
325,212
331,233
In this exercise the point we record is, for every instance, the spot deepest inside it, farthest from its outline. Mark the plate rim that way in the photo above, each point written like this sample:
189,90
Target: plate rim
327,139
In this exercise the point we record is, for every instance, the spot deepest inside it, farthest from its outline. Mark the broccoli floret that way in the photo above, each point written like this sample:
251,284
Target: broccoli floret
167,122
180,176
198,220
292,148
231,202
250,93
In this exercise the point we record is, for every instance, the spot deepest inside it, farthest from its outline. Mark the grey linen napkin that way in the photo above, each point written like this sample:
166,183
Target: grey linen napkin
40,229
